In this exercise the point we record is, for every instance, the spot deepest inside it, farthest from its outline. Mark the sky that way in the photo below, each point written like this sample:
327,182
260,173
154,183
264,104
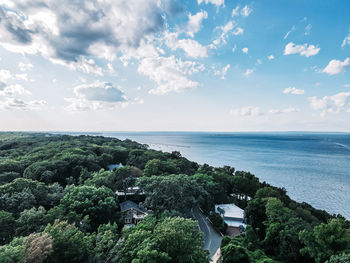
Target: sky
163,65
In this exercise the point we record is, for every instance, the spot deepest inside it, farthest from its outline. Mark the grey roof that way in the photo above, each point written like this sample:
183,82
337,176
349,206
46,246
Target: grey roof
129,205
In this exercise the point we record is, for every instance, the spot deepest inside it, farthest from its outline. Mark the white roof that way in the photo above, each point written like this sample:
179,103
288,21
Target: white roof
234,223
231,210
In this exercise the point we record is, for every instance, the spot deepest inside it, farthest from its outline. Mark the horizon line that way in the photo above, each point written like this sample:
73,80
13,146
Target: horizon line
170,131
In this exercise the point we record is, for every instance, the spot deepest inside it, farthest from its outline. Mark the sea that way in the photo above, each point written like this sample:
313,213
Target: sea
312,167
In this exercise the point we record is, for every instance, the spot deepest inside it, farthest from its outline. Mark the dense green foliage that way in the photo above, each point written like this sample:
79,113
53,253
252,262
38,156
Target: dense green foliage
172,192
169,240
289,232
58,204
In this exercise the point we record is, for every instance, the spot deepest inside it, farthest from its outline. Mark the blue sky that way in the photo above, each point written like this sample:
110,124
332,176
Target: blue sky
206,65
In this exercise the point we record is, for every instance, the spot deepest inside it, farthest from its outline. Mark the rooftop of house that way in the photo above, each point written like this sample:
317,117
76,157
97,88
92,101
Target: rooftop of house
229,210
129,191
128,204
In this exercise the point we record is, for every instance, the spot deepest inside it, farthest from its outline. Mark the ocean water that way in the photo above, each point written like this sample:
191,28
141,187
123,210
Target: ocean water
313,167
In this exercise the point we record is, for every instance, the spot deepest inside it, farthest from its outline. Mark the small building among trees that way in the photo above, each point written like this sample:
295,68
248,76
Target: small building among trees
233,216
132,213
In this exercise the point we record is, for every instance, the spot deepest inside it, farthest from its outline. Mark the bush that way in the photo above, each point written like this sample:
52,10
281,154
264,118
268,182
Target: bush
218,222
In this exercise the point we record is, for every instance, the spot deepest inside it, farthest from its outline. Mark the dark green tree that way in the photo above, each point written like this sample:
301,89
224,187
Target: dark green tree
341,258
181,240
99,204
7,227
106,242
31,220
326,240
12,252
69,243
233,253
173,192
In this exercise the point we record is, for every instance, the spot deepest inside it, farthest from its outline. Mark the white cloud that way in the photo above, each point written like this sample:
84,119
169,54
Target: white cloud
25,66
222,73
170,74
5,75
246,111
36,103
346,41
336,66
235,11
70,32
331,104
218,3
226,30
304,50
147,48
195,22
23,77
102,50
252,111
19,104
110,68
245,50
248,72
293,90
96,96
191,47
76,104
271,57
234,48
245,11
84,65
346,85
12,90
100,91
278,111
238,31
308,29
288,33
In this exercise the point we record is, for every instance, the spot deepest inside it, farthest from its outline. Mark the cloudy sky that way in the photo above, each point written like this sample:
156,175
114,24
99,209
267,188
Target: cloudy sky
200,65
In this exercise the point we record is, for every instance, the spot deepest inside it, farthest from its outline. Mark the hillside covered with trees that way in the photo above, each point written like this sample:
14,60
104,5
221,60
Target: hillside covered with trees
58,203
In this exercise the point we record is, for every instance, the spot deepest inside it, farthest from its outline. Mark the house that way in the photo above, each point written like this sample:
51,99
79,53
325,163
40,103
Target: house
133,190
111,167
233,216
132,213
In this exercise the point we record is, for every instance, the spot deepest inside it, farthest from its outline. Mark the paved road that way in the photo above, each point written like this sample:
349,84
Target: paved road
212,239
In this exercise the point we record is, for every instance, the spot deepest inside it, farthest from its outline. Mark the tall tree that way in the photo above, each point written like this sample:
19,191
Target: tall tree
99,204
69,243
38,248
326,240
173,192
181,240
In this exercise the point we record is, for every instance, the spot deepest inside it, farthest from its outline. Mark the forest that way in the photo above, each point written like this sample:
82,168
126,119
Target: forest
58,203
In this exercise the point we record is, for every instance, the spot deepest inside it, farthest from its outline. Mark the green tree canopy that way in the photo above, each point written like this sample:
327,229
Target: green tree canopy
173,192
175,240
30,221
326,240
7,227
99,204
69,243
